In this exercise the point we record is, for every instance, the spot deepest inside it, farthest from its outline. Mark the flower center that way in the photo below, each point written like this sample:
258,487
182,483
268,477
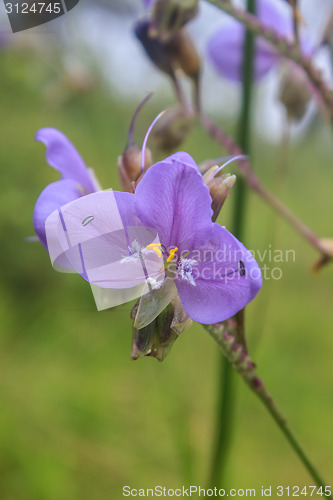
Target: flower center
185,269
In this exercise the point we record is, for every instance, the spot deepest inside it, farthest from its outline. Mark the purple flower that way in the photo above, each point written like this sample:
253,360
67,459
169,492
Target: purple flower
4,39
148,3
76,179
162,239
225,47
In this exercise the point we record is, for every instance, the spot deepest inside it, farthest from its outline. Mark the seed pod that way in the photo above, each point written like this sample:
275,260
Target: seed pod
173,127
294,93
185,54
177,53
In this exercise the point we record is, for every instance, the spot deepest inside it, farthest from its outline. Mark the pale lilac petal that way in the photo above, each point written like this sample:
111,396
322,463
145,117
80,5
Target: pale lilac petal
63,156
89,234
173,199
220,287
226,52
226,45
148,3
154,301
106,298
272,15
184,159
51,198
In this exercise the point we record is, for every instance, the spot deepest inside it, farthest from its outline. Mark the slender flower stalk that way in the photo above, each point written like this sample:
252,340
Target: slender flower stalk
224,422
246,171
224,335
284,46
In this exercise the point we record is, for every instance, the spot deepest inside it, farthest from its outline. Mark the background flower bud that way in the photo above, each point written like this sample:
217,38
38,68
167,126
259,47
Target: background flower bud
294,93
172,128
169,16
185,54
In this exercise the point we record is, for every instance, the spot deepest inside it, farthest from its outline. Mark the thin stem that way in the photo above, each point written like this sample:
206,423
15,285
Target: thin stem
224,422
224,335
130,139
246,171
296,16
284,46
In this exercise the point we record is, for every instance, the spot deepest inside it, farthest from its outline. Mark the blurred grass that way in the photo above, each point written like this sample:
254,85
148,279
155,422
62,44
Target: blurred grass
79,420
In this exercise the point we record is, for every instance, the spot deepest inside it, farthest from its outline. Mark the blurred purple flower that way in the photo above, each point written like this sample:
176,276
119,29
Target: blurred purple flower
213,273
148,3
76,179
225,47
4,39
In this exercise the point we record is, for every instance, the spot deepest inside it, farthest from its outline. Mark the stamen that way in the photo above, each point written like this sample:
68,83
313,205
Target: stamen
233,158
144,145
155,248
172,254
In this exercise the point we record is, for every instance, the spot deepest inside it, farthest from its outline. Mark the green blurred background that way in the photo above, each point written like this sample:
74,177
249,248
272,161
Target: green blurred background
78,419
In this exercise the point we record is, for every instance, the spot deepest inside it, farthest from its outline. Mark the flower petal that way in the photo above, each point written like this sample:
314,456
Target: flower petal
63,156
90,234
225,279
51,198
226,45
173,199
226,52
148,3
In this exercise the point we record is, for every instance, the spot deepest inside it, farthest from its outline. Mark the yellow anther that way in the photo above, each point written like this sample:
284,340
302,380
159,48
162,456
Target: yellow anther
172,254
155,247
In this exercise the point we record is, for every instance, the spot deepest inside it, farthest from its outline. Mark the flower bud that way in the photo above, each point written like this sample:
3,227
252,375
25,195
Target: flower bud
178,52
157,51
157,338
172,128
219,188
169,16
294,93
129,165
185,54
207,165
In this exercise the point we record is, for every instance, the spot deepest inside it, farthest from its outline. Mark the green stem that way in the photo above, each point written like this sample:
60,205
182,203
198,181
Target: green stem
244,124
226,403
239,360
